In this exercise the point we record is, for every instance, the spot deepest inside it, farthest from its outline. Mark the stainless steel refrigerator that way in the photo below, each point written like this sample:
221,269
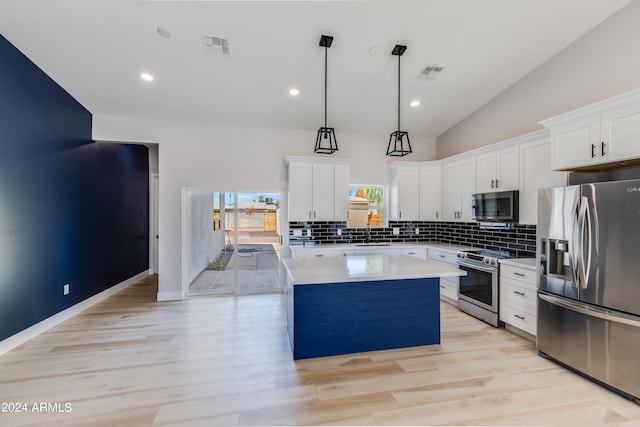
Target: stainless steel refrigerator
588,255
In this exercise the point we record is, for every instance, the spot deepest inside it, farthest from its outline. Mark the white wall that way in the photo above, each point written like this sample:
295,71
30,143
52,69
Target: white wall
197,155
603,63
204,243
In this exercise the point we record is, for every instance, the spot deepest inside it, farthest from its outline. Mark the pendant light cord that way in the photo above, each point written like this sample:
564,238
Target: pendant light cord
398,93
325,90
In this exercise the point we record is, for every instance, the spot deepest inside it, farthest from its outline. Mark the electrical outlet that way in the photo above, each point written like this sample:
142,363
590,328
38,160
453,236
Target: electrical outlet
417,230
396,231
308,232
339,231
297,232
65,289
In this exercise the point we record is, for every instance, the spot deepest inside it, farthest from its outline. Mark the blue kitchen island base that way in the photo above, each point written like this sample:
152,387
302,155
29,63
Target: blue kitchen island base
340,318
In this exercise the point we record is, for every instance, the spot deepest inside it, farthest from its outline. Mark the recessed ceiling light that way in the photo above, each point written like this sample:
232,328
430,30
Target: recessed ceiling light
146,77
415,103
374,50
163,32
294,92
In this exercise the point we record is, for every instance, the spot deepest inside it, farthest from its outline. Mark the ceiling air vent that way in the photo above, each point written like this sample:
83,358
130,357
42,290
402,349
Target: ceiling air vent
430,72
214,45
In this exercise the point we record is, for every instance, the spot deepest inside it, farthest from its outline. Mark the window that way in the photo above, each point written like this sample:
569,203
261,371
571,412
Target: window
366,206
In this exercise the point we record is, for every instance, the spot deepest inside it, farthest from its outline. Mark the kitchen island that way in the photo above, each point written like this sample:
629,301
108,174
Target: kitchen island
351,304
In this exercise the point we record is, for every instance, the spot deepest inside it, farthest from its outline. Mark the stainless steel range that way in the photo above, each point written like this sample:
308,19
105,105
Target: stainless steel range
478,291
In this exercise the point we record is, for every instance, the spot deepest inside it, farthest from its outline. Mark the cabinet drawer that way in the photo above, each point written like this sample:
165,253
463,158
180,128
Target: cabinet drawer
518,318
378,251
516,295
441,256
317,253
449,288
417,252
520,274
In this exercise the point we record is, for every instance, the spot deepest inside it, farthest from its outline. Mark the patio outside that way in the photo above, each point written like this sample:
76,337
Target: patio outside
254,258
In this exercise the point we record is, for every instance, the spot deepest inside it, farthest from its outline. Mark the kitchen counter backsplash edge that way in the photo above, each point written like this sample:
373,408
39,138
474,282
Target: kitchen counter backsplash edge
520,241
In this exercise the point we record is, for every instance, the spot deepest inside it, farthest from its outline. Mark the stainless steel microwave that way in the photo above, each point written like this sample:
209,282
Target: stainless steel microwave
501,206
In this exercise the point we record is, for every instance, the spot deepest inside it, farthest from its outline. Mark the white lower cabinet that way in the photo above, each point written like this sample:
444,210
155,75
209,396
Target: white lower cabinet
378,251
448,285
518,297
417,252
319,253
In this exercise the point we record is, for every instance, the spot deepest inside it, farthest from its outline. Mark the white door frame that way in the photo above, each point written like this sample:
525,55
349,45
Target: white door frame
154,244
186,225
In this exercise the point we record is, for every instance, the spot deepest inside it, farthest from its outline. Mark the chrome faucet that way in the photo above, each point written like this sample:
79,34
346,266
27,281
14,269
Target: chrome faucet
368,231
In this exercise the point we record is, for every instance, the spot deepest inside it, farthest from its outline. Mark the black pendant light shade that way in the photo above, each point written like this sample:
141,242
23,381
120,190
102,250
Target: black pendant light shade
399,144
326,140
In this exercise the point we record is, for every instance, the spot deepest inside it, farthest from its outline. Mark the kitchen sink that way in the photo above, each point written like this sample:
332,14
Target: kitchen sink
372,244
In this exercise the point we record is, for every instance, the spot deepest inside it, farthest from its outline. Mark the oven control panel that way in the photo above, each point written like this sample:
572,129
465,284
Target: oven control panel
479,258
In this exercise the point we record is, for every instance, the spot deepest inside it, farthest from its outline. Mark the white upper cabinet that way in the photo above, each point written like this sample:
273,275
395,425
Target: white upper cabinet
405,193
318,190
323,192
415,191
602,133
536,173
458,184
300,190
430,190
468,184
498,170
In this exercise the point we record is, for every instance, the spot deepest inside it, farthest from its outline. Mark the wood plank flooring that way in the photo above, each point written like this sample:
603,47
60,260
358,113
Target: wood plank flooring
131,361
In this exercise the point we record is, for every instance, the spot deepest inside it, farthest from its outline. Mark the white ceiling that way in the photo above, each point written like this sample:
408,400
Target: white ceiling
97,49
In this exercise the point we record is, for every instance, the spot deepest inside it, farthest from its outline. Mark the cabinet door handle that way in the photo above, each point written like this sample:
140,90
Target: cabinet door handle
491,183
518,274
496,183
518,293
314,214
309,214
436,214
411,253
442,256
602,148
399,214
593,150
319,255
518,316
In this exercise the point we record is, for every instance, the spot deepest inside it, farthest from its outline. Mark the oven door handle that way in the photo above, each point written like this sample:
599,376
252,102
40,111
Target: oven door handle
487,269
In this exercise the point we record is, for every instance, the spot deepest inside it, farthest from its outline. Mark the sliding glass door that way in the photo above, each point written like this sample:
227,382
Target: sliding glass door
238,251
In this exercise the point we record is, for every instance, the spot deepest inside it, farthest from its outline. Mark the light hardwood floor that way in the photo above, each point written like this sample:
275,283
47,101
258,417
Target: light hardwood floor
211,361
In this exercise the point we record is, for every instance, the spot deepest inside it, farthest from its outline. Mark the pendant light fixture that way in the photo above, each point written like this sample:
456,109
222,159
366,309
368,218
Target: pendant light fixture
326,140
399,144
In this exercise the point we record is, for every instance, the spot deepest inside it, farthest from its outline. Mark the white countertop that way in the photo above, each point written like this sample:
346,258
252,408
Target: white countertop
306,271
528,263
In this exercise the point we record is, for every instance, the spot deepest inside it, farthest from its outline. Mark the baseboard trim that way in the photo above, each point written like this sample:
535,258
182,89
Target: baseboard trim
170,296
35,330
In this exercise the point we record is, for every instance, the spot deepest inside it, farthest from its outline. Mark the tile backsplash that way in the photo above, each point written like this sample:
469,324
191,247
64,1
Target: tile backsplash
519,240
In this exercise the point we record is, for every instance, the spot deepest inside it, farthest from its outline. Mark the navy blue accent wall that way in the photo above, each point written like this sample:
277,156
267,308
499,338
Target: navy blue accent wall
71,210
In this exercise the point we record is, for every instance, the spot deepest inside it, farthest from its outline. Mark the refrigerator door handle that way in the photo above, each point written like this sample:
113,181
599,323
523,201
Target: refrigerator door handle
575,248
592,311
584,225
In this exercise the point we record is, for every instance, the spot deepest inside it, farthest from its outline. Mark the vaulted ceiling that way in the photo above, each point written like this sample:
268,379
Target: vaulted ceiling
96,50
